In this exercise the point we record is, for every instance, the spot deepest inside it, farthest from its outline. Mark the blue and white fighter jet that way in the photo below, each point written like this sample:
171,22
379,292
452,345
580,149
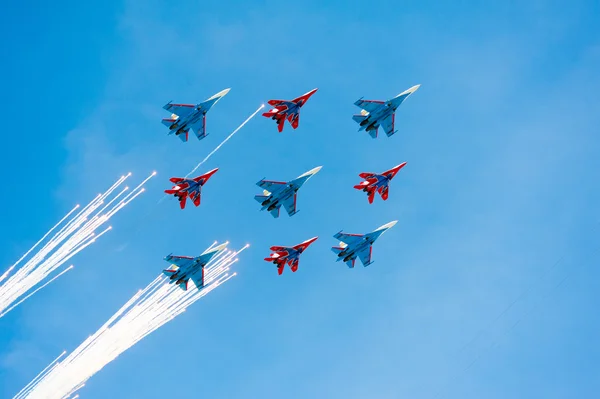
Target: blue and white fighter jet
358,245
277,193
188,116
377,113
185,268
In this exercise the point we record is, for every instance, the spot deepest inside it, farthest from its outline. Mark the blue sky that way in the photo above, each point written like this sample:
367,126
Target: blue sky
501,143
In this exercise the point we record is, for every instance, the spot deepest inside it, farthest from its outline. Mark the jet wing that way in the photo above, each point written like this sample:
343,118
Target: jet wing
365,175
369,105
388,124
195,197
294,120
199,128
349,239
290,204
198,279
280,104
278,248
181,261
270,185
181,110
178,180
365,255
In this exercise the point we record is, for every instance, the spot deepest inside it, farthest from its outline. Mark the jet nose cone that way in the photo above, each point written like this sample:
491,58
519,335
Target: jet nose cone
310,173
315,170
219,95
409,91
388,225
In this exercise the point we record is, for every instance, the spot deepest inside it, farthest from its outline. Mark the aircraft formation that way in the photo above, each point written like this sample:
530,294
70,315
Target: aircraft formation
277,194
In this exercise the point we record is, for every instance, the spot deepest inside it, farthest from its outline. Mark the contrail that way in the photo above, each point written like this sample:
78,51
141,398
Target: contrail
145,312
227,138
217,147
74,236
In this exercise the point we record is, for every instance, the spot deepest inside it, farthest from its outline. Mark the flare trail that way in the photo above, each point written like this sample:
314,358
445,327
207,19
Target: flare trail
145,312
74,235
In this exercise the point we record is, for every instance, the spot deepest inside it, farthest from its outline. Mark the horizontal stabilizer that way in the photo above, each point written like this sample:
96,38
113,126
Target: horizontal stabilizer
337,250
359,118
169,272
168,122
261,198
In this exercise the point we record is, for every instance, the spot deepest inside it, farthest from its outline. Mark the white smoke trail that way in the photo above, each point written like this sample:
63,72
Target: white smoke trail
145,312
38,243
71,238
226,139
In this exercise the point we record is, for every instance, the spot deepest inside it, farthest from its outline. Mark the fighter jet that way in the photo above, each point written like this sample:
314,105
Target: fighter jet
375,113
288,109
184,268
192,188
188,116
378,182
289,255
353,245
277,193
